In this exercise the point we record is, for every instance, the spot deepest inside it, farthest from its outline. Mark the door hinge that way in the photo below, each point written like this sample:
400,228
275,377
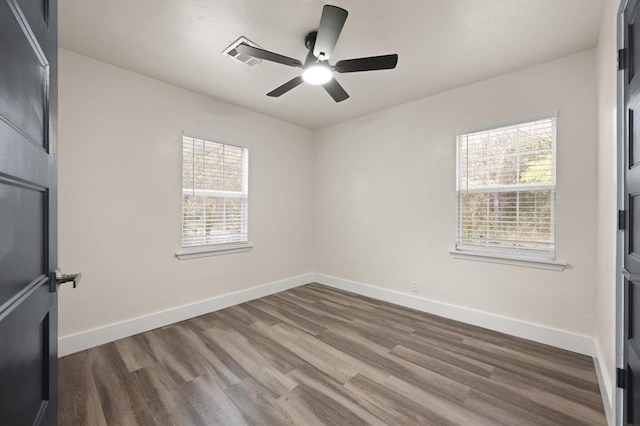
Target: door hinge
621,378
622,59
622,220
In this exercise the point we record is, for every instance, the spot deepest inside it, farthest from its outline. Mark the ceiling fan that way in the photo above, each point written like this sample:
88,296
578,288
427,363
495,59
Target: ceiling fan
316,67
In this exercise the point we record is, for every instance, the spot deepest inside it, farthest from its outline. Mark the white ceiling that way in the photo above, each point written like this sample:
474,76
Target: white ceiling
442,44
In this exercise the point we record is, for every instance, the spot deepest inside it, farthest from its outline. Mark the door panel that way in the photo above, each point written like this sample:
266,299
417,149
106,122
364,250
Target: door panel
28,252
36,13
632,173
633,401
27,360
633,35
634,227
23,80
633,332
634,129
22,258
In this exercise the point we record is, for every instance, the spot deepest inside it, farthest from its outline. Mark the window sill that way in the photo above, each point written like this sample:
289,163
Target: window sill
480,256
205,251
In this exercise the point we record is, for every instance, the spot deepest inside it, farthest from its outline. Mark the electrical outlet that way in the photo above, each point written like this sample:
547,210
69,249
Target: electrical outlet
414,286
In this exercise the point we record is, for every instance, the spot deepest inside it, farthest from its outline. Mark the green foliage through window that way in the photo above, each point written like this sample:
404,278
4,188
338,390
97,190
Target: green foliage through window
215,193
507,187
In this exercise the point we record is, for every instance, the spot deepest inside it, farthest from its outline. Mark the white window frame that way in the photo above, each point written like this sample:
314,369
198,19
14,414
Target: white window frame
504,255
214,249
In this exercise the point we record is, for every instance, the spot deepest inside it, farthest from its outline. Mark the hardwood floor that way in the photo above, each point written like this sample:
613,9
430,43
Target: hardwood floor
314,356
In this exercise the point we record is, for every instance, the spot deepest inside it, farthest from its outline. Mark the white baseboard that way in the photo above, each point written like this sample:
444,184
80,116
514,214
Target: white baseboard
111,332
563,339
539,333
604,381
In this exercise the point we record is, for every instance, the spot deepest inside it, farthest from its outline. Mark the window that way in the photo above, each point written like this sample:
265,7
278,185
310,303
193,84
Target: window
214,193
506,184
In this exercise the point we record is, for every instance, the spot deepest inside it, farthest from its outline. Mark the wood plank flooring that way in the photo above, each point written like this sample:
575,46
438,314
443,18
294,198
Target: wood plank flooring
315,356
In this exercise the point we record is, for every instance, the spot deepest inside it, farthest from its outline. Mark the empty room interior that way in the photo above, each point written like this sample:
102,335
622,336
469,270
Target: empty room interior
294,212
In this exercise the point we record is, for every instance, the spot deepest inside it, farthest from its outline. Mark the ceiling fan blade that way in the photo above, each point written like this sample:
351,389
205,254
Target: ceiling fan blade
310,58
331,24
372,63
245,49
335,90
294,82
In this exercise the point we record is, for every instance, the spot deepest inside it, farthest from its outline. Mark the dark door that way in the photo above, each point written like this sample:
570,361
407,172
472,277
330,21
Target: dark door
631,262
28,254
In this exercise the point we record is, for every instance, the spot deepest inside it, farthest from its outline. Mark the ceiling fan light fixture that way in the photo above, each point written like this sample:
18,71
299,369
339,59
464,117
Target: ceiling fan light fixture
317,74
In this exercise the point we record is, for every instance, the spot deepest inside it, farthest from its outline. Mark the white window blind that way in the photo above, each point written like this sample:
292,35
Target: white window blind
214,193
506,184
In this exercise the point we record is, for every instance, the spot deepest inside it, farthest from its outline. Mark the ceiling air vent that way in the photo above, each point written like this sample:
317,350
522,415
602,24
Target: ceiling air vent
232,53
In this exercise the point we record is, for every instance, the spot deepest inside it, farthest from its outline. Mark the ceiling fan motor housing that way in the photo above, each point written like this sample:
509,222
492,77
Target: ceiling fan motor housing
310,40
